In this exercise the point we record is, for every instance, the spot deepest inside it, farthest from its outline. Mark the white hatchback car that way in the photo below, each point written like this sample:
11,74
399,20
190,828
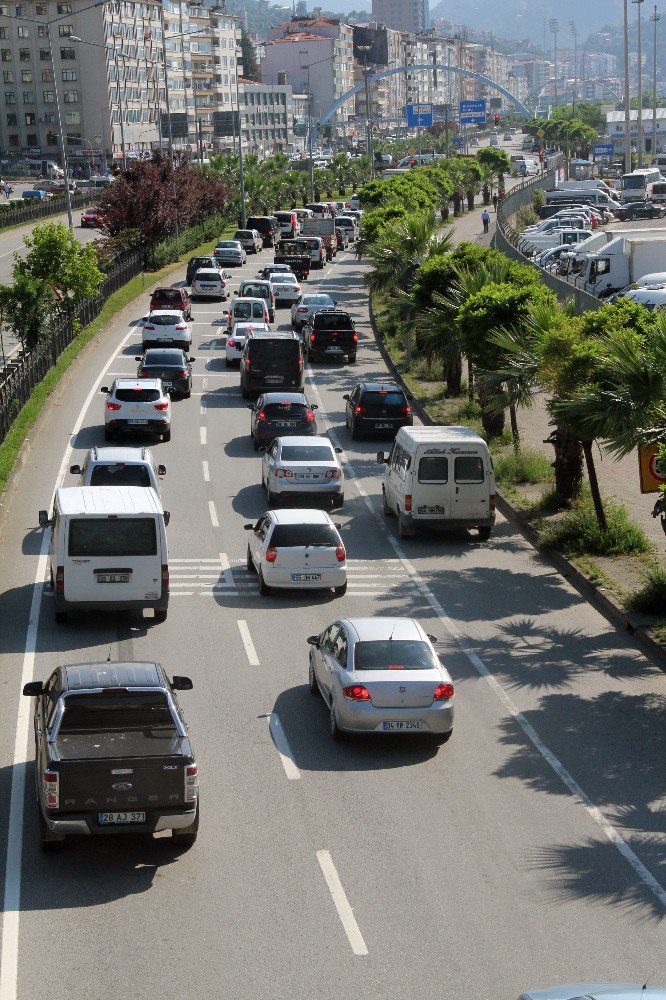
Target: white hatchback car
299,467
137,404
166,327
286,289
297,550
236,340
381,675
209,283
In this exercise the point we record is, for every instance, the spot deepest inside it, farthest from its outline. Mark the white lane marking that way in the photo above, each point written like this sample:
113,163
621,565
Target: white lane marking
609,831
282,746
206,472
213,514
12,889
224,562
202,435
253,659
345,912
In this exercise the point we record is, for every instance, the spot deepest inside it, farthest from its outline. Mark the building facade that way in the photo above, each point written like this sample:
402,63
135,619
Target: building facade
266,117
403,15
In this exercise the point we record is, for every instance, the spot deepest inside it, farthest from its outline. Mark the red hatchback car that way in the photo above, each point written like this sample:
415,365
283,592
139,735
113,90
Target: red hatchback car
171,298
92,218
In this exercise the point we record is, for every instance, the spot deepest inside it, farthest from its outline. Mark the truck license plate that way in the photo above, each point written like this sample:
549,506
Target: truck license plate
112,578
121,818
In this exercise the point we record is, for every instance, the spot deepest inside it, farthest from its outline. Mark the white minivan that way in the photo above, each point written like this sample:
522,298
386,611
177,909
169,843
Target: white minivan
108,550
439,477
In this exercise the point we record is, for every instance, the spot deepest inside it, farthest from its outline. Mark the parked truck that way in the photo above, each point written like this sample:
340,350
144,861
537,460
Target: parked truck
324,227
531,244
622,261
572,263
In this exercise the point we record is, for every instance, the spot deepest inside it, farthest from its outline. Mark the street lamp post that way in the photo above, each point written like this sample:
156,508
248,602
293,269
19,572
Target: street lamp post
640,87
241,173
627,96
63,138
572,26
655,17
310,161
554,26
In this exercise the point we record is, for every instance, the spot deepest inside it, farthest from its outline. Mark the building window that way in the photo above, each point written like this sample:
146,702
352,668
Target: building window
28,97
32,139
50,118
44,55
13,139
68,53
7,76
26,76
6,55
4,9
65,30
47,76
42,31
41,8
23,31
21,9
4,32
12,120
24,55
47,96
30,119
64,8
69,76
71,96
51,139
10,97
72,118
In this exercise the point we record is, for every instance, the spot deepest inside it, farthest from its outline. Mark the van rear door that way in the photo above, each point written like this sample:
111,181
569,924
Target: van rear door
114,558
471,489
431,484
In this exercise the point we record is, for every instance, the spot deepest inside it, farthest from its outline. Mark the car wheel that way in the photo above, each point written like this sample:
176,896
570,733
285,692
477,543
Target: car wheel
385,507
188,394
255,443
484,534
264,589
108,435
167,435
228,364
312,680
353,431
352,359
160,615
188,836
244,393
333,727
632,217
341,590
248,561
273,499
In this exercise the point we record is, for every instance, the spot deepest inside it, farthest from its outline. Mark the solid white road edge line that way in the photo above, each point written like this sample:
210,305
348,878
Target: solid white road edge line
345,912
213,514
282,746
252,657
12,889
607,828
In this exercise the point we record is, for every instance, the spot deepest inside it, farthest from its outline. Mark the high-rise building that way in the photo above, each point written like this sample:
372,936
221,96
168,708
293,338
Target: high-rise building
404,15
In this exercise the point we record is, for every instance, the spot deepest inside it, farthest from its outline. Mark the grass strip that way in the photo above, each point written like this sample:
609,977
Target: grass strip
29,414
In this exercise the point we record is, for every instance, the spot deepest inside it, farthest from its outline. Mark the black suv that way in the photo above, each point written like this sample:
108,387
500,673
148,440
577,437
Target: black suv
331,333
271,361
267,226
377,408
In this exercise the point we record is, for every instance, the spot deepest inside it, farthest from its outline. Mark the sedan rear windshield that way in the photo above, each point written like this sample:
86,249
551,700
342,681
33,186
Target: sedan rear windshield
137,395
284,279
101,536
278,411
171,320
120,475
168,294
384,398
290,535
323,322
104,712
393,654
163,359
306,453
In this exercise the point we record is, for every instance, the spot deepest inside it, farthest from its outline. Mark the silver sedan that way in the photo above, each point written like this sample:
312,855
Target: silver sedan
306,306
381,675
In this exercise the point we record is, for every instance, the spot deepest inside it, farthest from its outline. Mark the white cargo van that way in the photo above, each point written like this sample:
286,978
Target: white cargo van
439,477
108,550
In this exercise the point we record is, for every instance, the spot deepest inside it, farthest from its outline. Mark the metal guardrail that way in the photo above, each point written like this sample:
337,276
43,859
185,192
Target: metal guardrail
507,237
31,210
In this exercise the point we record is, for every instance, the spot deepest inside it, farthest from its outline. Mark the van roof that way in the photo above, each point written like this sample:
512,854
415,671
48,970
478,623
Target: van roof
105,500
428,435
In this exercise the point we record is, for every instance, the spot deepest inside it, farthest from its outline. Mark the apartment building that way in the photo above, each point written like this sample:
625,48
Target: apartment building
403,15
491,64
266,117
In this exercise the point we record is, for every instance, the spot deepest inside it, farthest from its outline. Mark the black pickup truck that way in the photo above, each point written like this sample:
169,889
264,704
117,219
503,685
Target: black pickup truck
296,254
331,333
112,753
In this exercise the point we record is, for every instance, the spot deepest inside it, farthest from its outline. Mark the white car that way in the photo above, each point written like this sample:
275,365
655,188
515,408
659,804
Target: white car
119,466
298,467
209,283
297,550
306,306
381,675
167,327
286,289
317,250
137,404
236,340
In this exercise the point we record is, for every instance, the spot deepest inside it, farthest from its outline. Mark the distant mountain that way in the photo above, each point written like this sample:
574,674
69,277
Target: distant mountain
529,18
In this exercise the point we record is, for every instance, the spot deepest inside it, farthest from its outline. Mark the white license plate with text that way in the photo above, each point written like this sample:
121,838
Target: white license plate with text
121,818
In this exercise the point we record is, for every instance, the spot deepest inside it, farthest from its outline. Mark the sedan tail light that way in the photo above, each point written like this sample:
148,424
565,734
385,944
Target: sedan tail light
148,326
191,783
261,416
271,554
333,474
181,326
51,787
443,692
297,288
142,372
356,692
161,406
406,410
355,337
310,417
183,373
232,343
113,406
359,409
312,338
340,553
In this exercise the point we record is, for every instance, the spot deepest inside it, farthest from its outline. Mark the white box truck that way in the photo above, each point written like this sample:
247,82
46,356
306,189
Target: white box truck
531,244
573,263
623,260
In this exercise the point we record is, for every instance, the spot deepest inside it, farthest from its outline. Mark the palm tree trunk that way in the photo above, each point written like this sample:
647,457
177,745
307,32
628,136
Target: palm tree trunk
453,374
493,422
470,381
514,428
594,486
568,463
470,201
457,204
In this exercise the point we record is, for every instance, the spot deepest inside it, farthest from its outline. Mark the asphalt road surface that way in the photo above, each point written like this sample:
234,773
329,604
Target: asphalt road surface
529,850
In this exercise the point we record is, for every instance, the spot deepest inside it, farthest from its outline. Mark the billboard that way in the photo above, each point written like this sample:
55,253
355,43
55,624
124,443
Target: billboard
472,113
419,115
377,39
225,124
179,129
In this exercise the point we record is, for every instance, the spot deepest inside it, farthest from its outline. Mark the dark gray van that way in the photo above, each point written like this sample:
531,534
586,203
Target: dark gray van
271,361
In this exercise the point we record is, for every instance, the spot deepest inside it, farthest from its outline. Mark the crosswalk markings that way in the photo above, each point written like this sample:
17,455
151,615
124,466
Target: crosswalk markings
201,577
359,582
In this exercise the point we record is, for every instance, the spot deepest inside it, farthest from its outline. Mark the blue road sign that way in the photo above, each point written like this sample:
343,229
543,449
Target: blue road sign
472,113
419,114
458,142
602,149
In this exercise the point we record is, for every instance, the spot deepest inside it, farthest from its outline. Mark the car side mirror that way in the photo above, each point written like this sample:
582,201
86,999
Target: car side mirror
75,470
250,406
313,640
138,357
314,406
167,517
382,458
161,470
236,291
33,689
338,451
346,396
248,527
191,360
44,519
433,638
181,683
105,389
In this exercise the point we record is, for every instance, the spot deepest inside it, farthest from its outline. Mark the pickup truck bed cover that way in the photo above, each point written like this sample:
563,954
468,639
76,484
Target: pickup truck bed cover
126,743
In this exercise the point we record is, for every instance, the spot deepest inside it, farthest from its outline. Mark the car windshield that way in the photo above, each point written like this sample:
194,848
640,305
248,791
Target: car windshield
307,453
394,654
278,411
103,713
171,319
120,475
290,535
336,322
137,395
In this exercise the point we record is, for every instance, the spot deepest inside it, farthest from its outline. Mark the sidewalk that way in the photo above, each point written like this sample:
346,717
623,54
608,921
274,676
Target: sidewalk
618,479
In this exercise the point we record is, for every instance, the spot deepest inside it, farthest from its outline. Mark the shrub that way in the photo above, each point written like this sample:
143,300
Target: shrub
526,467
538,199
650,599
525,216
577,533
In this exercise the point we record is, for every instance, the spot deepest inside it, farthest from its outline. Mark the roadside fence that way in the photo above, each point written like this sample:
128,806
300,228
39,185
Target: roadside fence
32,209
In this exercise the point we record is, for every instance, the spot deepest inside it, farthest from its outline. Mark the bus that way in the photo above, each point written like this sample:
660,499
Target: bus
637,186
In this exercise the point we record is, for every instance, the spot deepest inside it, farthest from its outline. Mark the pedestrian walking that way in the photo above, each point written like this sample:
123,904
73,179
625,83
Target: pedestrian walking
495,202
485,219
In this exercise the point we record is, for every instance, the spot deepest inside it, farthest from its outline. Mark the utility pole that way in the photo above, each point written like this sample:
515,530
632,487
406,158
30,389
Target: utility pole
640,87
655,17
554,26
627,95
572,26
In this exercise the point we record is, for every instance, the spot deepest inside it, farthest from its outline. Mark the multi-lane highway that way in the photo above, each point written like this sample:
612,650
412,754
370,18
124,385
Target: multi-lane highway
529,850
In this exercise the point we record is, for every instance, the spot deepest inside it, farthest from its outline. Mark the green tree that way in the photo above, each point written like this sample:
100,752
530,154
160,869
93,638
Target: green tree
249,56
586,111
67,269
496,159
